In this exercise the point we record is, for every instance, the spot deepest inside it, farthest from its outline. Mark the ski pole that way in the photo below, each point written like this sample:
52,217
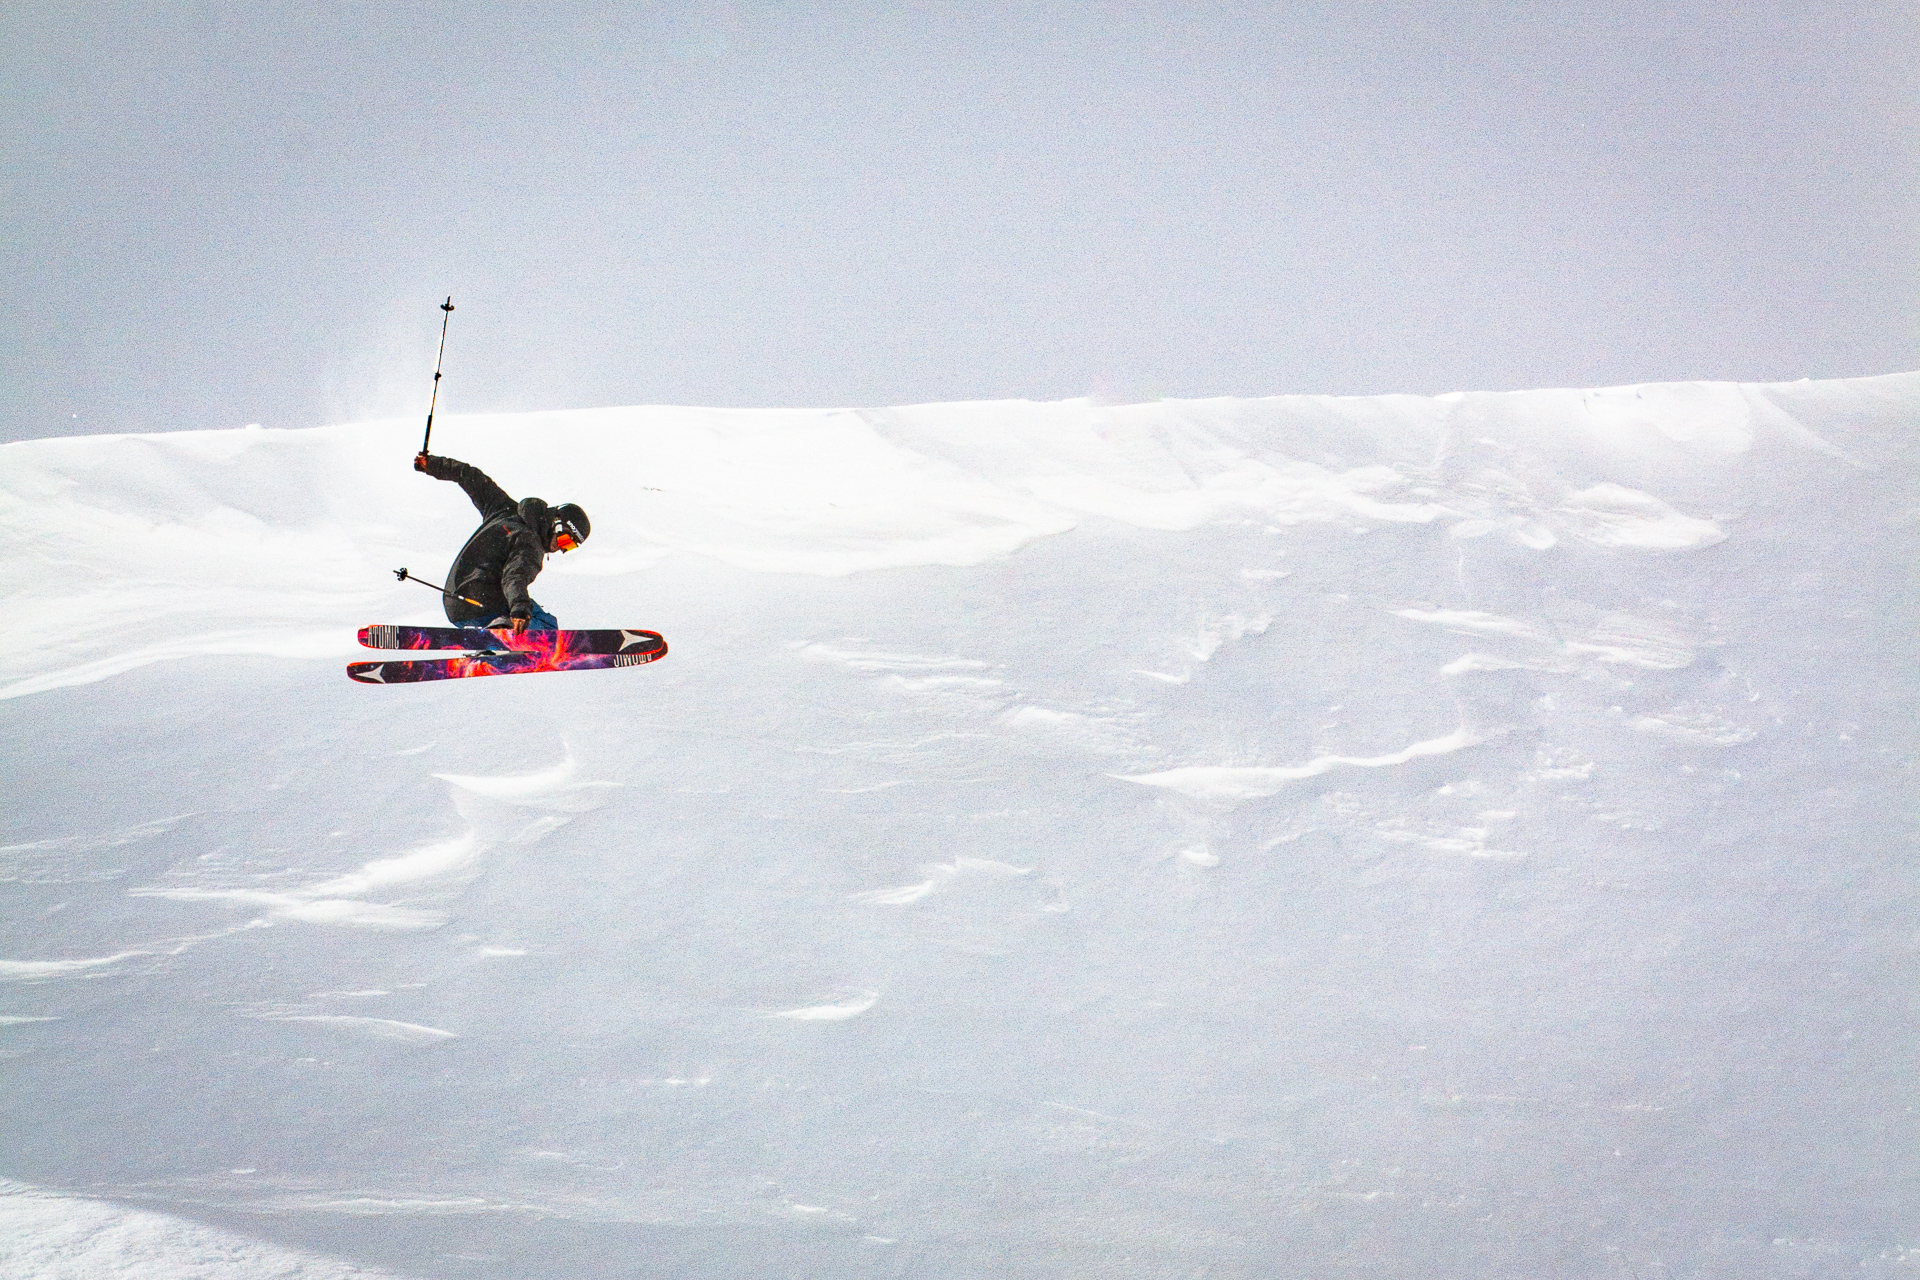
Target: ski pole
447,307
404,576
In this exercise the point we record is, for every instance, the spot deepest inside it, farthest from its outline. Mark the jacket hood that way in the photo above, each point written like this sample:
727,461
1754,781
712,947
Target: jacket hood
539,518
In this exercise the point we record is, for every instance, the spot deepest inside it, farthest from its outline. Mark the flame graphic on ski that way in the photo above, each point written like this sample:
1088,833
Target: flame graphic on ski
501,652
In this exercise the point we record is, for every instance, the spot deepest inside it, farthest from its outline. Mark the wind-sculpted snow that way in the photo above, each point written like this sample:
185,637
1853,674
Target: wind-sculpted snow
1222,782
1617,638
837,1011
1427,837
939,876
52,1237
28,970
378,1028
495,812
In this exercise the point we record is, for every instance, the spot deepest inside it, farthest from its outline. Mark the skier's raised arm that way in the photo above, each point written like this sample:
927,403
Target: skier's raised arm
488,497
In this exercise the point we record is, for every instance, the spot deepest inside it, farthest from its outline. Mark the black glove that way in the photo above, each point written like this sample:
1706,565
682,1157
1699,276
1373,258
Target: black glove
420,461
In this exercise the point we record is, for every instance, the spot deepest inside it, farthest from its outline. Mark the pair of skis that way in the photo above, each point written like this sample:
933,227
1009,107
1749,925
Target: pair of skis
500,652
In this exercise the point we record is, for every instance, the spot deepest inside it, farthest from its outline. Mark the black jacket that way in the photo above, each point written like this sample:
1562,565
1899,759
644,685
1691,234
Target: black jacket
504,554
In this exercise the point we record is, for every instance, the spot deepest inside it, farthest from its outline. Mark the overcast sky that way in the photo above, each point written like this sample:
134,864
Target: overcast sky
228,213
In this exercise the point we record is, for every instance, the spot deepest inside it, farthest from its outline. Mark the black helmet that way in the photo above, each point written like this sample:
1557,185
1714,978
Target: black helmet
571,520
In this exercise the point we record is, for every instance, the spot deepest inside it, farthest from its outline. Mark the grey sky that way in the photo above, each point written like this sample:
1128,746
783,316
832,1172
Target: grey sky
221,214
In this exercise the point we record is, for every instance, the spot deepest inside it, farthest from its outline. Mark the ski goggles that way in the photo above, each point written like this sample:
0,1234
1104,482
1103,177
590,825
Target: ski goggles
565,537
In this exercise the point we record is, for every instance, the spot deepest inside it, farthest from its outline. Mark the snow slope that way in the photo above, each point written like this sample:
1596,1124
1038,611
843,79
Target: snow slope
1453,836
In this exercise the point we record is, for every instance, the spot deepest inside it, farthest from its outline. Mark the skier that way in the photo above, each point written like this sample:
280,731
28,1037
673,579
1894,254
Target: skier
505,553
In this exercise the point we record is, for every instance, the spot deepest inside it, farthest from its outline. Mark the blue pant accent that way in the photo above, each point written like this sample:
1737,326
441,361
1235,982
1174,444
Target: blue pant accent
538,620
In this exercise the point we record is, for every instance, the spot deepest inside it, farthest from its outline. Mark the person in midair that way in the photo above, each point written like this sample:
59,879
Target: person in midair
505,554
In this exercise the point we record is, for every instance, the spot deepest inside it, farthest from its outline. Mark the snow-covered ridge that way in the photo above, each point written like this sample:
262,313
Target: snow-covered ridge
126,550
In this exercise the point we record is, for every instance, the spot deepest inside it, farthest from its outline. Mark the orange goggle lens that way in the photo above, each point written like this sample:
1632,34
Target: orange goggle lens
564,542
